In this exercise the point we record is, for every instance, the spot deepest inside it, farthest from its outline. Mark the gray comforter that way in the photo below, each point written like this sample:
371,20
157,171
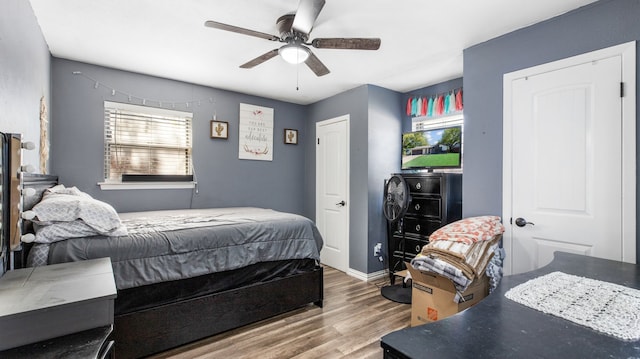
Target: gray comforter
171,245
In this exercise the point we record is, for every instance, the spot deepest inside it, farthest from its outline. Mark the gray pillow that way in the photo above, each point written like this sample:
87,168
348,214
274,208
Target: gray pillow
68,205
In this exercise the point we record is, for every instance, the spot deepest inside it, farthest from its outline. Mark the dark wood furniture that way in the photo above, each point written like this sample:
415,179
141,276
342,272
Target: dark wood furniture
39,182
436,200
150,331
88,344
11,194
46,304
4,208
501,328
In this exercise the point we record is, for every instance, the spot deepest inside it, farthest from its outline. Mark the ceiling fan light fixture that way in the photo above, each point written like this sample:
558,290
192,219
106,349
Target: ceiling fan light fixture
294,53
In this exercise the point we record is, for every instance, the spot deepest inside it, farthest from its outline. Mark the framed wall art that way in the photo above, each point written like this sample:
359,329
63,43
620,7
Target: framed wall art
256,133
219,129
290,136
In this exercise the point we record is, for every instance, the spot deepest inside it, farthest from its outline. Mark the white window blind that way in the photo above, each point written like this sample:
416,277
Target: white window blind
426,123
141,140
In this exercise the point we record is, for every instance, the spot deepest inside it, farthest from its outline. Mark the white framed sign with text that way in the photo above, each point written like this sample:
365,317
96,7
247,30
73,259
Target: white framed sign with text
256,133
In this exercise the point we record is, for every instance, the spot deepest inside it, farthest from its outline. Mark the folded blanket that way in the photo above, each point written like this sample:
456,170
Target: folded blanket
469,230
447,270
471,259
493,270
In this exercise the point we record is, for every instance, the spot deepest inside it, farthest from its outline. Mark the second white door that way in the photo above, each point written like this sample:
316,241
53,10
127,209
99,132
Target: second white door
332,190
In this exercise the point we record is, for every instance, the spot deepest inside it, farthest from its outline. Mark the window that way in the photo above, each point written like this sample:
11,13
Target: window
140,140
426,123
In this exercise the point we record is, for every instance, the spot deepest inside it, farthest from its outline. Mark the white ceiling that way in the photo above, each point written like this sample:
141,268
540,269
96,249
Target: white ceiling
422,41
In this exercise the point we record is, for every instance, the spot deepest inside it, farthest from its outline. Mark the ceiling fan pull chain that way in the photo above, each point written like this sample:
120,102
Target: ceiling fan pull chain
298,77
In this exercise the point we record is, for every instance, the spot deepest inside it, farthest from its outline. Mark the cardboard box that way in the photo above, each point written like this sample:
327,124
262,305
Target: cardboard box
432,296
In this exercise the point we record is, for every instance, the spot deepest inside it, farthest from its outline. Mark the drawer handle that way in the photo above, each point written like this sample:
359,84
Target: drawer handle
418,249
417,207
418,185
417,228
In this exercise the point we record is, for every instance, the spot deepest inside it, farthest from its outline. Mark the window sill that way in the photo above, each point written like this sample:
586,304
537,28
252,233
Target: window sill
109,186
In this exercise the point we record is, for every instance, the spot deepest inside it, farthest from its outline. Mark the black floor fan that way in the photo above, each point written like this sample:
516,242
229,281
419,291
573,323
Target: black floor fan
396,202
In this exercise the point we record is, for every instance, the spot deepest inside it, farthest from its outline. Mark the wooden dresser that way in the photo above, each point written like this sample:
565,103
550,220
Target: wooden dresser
436,199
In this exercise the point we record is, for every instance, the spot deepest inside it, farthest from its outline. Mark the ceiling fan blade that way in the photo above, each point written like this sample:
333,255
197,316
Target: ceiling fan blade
306,15
347,43
240,30
316,65
260,59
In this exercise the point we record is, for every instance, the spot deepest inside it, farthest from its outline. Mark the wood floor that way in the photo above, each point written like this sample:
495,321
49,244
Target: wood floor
350,325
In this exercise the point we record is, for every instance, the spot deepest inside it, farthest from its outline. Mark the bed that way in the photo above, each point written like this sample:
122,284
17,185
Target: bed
182,275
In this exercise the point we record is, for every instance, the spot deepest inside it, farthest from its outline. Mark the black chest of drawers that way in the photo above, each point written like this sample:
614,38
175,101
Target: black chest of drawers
436,200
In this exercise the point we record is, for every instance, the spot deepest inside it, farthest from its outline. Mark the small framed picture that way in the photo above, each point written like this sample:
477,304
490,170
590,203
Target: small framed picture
219,129
290,136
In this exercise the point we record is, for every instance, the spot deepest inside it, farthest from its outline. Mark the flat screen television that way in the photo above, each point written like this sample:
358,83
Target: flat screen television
435,148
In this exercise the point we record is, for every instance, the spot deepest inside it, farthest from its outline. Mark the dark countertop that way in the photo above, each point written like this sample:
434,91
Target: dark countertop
501,328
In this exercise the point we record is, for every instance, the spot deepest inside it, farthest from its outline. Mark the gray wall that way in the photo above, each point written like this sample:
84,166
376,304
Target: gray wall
24,78
599,25
353,103
24,73
223,179
385,146
375,128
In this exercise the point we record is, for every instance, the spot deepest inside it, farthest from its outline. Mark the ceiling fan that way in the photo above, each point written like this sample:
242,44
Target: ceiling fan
294,31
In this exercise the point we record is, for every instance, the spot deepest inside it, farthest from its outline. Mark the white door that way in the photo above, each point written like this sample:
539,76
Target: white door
566,159
332,190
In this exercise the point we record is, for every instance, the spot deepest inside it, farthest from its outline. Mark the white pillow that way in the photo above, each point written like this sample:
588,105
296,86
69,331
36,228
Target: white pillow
60,204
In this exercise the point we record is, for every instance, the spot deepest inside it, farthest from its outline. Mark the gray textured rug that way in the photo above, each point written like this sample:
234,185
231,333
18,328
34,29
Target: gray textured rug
605,307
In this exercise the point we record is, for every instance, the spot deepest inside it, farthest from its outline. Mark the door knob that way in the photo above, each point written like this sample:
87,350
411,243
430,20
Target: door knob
521,222
341,203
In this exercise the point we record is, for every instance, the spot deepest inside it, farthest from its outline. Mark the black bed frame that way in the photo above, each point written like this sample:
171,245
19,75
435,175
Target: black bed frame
168,326
149,331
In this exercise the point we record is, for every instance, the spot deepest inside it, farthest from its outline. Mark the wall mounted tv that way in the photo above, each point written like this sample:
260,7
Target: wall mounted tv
435,148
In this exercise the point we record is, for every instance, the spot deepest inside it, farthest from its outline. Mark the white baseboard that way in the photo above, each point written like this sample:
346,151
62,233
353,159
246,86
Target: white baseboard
368,277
